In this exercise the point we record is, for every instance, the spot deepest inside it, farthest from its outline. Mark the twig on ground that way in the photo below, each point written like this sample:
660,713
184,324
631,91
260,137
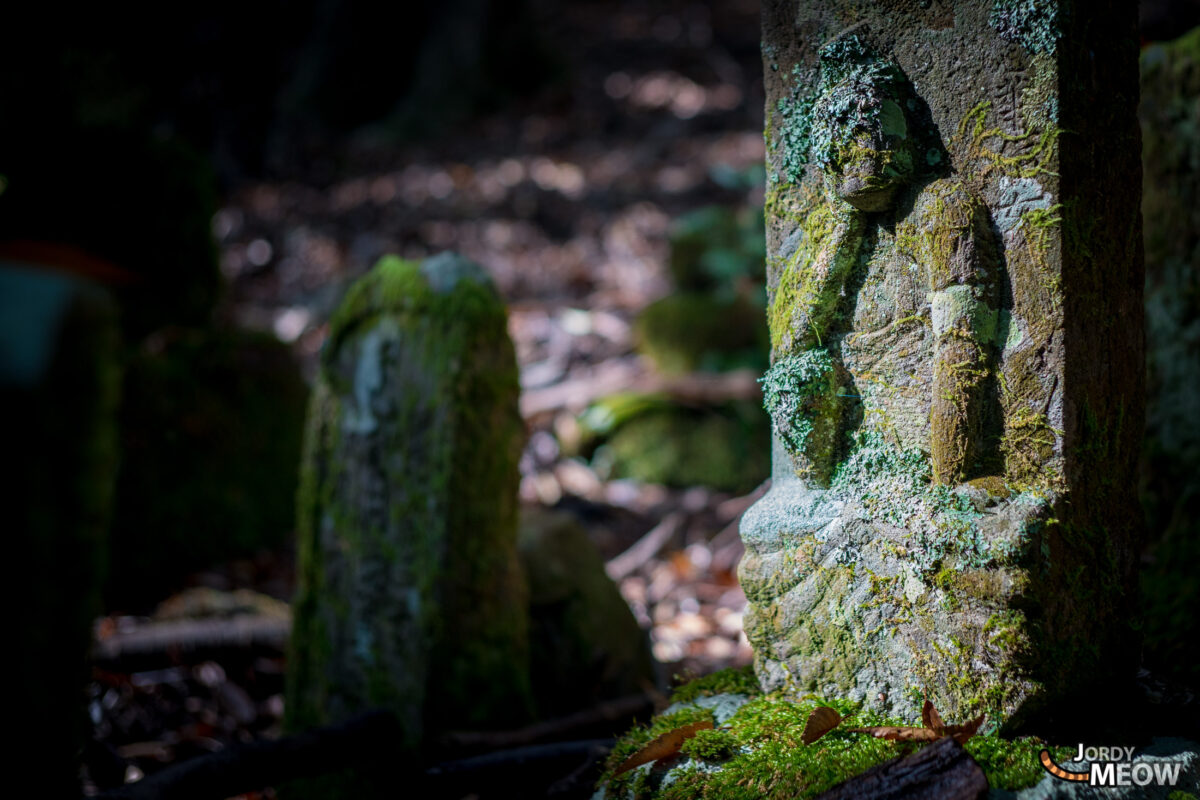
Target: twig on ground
645,548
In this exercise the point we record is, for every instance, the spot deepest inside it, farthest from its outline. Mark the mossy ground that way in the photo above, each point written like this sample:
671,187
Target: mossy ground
759,753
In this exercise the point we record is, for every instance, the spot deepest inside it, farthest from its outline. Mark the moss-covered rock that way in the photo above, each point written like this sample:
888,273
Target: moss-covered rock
701,331
718,250
585,645
211,427
410,594
724,448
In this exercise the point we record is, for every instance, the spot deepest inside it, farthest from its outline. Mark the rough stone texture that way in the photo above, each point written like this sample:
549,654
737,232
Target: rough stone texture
1170,114
585,645
954,269
59,385
410,595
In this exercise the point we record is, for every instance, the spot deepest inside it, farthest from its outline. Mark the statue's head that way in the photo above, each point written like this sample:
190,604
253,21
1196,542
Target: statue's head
862,130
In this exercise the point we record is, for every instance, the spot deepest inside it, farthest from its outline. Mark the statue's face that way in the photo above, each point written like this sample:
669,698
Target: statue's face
865,176
860,133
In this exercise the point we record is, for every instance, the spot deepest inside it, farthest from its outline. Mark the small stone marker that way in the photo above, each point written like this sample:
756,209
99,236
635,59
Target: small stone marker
410,596
954,270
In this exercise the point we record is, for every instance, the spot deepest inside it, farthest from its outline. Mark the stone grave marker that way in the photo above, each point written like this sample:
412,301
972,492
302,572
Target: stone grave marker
410,595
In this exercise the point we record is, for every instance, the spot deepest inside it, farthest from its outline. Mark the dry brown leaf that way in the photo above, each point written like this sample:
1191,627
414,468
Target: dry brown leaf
667,744
962,733
820,722
899,734
934,728
932,719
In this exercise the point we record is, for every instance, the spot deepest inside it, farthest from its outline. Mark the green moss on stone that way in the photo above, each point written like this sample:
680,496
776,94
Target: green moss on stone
410,596
758,753
733,680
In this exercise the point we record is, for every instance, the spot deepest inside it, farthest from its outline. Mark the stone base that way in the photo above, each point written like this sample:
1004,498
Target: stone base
890,590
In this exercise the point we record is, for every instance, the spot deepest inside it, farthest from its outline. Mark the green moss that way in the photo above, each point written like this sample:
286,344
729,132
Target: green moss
894,485
759,753
795,123
1012,764
710,745
726,447
1037,150
1028,444
800,392
733,680
858,113
693,331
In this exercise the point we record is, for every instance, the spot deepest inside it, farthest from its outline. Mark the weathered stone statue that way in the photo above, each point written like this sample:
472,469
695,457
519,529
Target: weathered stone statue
410,594
921,315
954,274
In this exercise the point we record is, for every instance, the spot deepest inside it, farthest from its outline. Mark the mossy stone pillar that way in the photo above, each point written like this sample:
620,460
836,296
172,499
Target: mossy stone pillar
954,272
410,596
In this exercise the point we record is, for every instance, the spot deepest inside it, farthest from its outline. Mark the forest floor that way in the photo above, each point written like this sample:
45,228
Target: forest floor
567,198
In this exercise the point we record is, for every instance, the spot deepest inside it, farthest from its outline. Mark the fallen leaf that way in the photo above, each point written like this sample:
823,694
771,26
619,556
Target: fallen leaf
820,722
961,733
667,744
932,719
899,733
934,728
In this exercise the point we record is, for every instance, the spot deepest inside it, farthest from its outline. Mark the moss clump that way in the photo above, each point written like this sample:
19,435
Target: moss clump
719,250
734,680
759,753
800,392
860,112
795,124
1011,764
714,745
700,331
894,485
726,448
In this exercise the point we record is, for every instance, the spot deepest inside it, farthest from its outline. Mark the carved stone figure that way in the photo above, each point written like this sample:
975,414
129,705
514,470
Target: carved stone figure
891,284
953,276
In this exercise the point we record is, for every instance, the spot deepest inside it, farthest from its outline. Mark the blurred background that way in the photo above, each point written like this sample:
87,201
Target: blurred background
187,191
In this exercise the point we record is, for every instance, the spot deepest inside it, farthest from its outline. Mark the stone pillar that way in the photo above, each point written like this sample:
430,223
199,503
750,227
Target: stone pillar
60,377
954,270
410,596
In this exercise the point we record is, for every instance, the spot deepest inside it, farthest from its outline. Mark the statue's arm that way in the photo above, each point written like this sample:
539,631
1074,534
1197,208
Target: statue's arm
954,243
806,301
